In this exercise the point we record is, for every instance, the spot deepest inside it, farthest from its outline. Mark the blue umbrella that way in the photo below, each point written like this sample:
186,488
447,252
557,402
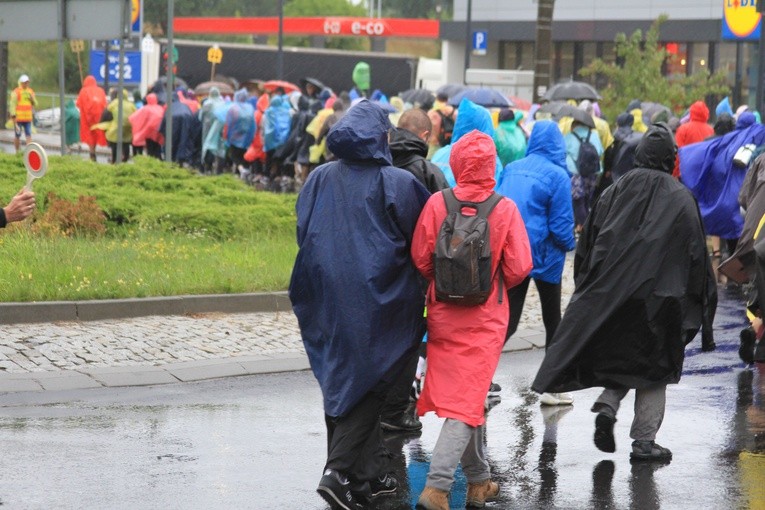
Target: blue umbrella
488,98
450,89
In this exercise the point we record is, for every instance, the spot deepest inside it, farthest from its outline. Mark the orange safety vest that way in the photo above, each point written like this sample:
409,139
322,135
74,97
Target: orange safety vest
24,105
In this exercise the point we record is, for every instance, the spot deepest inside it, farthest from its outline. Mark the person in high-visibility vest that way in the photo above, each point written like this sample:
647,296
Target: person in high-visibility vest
21,110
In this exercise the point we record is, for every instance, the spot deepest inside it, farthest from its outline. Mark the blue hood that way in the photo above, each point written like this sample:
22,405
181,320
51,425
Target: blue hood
471,116
745,120
546,141
362,135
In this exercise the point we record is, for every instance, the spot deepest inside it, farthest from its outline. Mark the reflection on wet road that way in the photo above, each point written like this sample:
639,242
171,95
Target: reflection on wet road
259,442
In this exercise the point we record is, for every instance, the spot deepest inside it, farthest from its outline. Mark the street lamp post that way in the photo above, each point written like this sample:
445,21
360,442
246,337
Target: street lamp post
468,39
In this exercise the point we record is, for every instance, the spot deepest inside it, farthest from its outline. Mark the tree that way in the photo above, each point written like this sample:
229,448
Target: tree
294,8
637,74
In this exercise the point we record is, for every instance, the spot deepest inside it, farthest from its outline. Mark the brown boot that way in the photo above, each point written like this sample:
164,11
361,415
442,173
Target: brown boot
433,499
479,493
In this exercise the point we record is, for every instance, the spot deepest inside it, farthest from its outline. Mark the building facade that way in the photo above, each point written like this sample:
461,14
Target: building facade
585,29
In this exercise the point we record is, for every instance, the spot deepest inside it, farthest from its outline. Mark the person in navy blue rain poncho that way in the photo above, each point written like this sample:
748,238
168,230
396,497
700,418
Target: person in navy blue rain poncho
541,188
357,296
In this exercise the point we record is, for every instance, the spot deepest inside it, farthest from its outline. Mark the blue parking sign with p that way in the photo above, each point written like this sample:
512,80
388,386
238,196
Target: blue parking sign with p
480,42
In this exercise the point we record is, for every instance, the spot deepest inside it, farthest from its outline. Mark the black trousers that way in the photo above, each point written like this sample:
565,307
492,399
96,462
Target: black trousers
153,149
354,441
549,296
397,400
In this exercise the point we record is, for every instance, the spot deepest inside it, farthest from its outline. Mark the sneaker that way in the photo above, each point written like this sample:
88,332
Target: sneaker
556,399
387,484
490,403
335,488
494,389
649,451
403,422
604,432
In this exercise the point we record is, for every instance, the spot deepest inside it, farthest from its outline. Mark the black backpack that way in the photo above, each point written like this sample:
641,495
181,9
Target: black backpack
462,259
447,128
588,160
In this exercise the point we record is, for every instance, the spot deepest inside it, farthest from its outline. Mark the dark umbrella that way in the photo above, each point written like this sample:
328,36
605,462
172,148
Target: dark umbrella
577,90
203,89
159,87
450,89
488,98
650,109
423,97
554,108
313,81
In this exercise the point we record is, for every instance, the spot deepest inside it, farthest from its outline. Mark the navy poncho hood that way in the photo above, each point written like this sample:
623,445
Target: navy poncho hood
362,135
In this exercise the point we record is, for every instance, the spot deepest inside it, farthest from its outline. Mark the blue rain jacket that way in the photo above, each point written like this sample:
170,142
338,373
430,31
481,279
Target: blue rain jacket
277,121
470,116
354,289
541,188
707,169
240,122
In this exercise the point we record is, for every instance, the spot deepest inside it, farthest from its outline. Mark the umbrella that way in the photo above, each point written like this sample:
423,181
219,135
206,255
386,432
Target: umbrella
519,103
203,89
578,90
271,85
558,110
313,81
160,85
450,89
423,97
488,98
253,84
650,109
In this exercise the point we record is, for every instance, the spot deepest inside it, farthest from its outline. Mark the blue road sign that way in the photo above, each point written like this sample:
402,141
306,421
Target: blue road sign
131,68
480,42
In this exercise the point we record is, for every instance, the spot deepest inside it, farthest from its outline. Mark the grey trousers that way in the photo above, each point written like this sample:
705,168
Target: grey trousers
649,409
458,442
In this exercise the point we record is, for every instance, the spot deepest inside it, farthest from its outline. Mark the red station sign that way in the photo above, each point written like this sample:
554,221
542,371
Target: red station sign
321,26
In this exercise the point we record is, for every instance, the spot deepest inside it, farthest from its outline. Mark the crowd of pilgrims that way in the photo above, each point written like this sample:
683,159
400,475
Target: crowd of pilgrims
272,139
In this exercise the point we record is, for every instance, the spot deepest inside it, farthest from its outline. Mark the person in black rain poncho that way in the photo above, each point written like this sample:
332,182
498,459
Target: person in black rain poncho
357,296
644,287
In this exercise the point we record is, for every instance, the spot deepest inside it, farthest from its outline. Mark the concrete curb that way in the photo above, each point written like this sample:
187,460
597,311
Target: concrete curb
51,311
199,370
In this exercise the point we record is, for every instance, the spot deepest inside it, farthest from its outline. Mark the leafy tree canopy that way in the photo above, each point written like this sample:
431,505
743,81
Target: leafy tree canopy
637,74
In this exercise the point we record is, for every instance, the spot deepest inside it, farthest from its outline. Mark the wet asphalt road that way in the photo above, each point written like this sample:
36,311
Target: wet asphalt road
258,443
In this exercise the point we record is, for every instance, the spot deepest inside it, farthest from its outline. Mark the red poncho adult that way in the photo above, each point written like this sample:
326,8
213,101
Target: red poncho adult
91,101
146,120
694,131
464,343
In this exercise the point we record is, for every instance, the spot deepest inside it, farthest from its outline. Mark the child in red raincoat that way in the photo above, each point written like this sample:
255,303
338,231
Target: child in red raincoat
464,343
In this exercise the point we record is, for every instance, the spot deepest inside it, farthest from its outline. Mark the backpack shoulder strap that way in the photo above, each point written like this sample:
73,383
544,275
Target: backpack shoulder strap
577,136
484,208
450,199
589,133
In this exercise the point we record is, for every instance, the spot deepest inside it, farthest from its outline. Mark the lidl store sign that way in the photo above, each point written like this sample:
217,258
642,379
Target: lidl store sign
741,21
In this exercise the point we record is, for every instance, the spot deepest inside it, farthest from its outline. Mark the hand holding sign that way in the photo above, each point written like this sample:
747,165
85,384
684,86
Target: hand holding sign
36,162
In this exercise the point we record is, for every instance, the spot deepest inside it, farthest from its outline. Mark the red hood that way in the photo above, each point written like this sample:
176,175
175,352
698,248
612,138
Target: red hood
89,81
699,112
473,160
151,98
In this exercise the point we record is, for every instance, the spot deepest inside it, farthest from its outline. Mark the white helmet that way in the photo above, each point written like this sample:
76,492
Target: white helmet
24,78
